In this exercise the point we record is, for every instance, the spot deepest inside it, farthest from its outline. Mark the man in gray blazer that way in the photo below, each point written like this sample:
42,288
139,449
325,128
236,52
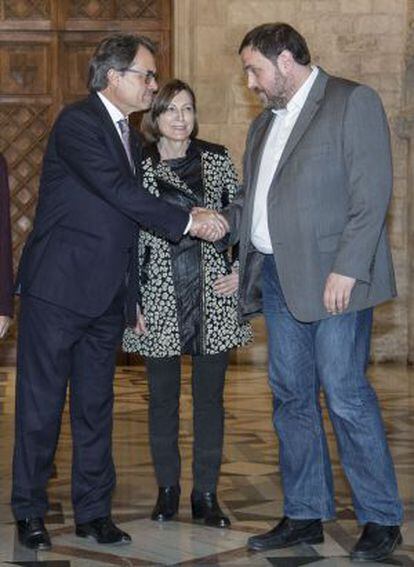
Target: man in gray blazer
314,257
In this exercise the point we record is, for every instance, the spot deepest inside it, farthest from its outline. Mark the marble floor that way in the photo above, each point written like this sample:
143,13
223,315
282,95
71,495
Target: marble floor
249,485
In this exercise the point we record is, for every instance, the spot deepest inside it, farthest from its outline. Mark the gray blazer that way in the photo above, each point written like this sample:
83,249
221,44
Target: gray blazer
327,203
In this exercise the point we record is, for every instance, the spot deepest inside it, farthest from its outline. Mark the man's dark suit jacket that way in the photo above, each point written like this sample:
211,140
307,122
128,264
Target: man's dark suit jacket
6,273
89,205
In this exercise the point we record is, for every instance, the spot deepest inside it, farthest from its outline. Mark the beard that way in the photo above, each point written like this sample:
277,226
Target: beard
272,100
276,96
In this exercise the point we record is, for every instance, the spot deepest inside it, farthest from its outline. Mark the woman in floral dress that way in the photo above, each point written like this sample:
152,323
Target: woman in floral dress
187,303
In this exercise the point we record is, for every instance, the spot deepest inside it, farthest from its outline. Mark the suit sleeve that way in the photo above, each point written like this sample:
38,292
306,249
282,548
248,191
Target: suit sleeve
84,148
367,155
6,270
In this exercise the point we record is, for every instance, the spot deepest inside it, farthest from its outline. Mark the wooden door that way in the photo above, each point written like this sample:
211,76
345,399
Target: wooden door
45,46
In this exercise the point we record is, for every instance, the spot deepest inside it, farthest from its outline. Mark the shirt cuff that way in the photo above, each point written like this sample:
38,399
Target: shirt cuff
190,222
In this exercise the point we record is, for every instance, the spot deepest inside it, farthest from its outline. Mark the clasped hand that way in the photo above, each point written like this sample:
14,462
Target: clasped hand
225,285
208,224
228,284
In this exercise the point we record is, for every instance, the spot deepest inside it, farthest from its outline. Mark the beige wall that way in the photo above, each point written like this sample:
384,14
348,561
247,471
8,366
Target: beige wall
364,40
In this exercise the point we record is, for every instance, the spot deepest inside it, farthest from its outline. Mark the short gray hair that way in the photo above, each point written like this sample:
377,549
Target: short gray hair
114,52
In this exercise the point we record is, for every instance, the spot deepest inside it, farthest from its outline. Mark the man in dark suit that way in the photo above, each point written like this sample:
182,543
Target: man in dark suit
6,273
314,257
73,284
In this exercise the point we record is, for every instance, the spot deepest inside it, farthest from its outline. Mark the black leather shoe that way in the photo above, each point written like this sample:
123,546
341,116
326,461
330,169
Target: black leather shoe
33,534
287,533
205,507
103,530
376,542
167,503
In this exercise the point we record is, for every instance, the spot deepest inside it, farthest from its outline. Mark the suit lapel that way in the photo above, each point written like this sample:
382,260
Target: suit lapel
136,151
305,117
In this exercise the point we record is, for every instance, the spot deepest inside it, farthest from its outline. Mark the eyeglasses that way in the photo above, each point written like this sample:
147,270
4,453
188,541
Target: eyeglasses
149,76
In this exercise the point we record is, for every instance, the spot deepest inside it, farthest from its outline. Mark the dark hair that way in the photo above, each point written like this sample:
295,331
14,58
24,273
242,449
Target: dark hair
164,96
114,52
272,39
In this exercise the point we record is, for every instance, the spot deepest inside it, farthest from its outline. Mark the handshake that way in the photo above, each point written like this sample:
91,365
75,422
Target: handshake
208,224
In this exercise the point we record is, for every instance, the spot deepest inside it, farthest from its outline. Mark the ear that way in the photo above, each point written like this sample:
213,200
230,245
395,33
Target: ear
285,61
113,77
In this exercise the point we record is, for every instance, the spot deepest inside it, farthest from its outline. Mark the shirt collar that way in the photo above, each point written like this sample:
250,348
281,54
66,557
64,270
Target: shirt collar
299,98
113,111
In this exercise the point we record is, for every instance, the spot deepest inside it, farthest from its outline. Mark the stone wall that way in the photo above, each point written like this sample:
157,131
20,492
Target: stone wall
364,40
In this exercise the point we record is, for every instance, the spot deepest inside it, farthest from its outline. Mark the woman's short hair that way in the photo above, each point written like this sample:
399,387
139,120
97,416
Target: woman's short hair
163,98
114,52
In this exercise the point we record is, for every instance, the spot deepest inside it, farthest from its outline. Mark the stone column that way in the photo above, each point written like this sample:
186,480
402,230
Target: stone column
404,127
183,41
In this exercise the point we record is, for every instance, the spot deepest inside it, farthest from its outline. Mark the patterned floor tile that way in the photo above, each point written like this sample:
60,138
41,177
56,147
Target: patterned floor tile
249,486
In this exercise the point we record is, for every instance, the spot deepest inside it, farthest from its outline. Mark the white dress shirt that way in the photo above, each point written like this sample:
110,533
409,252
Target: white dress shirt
283,123
114,112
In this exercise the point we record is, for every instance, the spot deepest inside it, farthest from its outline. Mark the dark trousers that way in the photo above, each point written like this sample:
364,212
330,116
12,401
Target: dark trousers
164,378
55,344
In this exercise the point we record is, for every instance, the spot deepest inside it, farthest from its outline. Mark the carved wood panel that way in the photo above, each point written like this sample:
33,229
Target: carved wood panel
128,14
114,9
45,46
23,134
25,68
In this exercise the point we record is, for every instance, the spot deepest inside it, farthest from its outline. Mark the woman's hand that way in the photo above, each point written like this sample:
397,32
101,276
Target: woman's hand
4,325
227,285
140,327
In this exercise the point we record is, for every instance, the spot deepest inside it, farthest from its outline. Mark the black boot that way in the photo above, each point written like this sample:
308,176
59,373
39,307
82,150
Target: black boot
205,507
167,503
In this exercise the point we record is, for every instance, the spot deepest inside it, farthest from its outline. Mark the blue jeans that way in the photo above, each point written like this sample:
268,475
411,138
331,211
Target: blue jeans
332,355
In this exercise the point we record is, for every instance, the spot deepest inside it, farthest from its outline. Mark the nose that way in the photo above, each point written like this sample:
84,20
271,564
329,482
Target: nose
153,84
251,81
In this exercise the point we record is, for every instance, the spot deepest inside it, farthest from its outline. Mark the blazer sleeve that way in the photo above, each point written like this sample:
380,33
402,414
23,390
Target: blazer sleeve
230,190
367,155
82,145
233,211
6,270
